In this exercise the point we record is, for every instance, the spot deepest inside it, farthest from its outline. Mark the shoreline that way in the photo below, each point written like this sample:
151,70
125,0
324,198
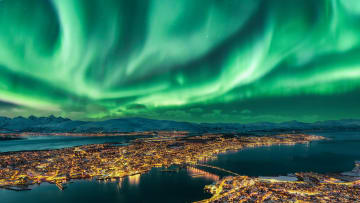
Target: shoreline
105,161
104,134
299,187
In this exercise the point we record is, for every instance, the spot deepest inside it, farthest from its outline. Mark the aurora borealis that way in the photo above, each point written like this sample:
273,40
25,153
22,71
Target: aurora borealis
203,61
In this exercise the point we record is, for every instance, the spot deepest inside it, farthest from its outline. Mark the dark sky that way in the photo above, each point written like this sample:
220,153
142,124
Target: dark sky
202,61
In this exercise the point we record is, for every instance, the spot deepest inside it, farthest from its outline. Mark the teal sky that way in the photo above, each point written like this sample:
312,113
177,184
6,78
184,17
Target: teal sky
203,61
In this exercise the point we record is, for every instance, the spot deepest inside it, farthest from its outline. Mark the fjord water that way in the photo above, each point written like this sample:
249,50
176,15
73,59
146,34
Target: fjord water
155,186
335,155
44,142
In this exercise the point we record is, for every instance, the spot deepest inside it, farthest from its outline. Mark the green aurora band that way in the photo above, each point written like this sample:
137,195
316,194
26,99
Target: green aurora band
213,60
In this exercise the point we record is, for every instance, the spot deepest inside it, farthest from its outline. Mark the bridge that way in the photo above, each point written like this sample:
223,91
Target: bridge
214,167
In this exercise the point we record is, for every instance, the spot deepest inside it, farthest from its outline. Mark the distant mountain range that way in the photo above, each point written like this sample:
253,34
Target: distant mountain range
59,124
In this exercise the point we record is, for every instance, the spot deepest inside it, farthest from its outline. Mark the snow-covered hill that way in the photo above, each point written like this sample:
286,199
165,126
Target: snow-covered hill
59,124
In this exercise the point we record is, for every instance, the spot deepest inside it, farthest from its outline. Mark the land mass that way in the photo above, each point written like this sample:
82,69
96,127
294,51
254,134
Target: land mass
299,187
54,124
110,161
7,137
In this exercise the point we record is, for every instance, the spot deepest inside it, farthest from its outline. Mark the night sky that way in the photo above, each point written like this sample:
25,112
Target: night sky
192,60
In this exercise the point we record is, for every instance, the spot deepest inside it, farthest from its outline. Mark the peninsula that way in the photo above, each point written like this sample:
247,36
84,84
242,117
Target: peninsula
18,170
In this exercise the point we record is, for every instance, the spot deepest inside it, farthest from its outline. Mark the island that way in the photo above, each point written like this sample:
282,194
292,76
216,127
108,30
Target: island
7,137
112,162
18,170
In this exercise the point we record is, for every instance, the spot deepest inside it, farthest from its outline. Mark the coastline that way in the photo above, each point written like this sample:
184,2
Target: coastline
108,162
298,187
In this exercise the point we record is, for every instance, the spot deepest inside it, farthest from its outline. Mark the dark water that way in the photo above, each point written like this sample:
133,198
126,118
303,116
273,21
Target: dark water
155,186
335,155
57,142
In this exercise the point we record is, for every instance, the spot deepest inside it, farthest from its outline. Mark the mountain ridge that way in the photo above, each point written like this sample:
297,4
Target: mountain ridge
137,124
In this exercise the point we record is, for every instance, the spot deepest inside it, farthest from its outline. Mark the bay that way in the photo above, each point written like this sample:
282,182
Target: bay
334,155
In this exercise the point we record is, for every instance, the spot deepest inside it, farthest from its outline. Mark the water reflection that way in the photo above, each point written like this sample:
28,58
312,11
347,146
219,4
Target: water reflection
134,179
195,172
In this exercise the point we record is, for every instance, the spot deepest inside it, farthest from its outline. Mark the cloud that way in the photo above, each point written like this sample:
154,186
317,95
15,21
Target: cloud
136,107
7,105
